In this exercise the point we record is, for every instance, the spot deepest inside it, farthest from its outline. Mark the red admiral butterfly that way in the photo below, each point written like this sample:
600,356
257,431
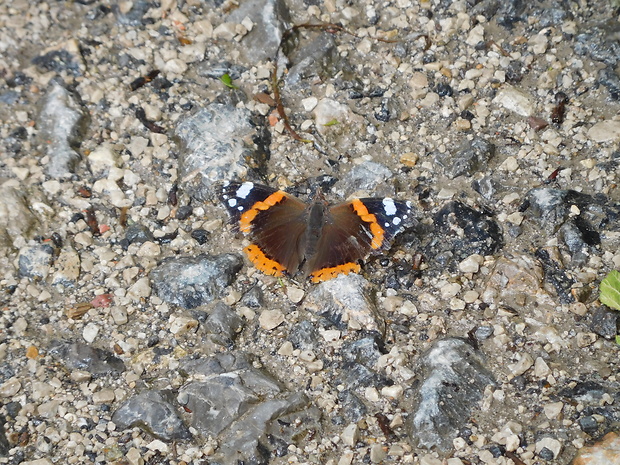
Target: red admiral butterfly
321,241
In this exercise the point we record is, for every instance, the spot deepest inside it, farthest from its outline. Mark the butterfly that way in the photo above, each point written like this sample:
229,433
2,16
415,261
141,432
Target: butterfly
319,241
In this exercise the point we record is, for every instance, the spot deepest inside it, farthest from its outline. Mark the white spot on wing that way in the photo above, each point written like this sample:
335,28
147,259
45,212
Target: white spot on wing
389,207
396,221
232,203
244,190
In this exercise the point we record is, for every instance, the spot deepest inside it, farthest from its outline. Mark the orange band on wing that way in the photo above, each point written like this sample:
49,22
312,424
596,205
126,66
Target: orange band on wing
329,273
262,262
377,231
245,223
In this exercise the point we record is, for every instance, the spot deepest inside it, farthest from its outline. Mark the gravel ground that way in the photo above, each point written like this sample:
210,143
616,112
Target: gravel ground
133,329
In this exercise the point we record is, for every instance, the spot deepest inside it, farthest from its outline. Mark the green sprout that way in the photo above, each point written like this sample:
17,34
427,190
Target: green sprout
227,81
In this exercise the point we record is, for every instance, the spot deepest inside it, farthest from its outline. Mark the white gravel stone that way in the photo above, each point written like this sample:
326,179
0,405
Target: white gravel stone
605,131
450,290
90,332
43,461
524,363
309,103
552,444
141,289
10,387
553,410
295,294
541,369
149,249
515,100
182,324
393,392
377,453
271,319
158,445
134,457
119,315
105,396
101,159
350,435
476,35
471,264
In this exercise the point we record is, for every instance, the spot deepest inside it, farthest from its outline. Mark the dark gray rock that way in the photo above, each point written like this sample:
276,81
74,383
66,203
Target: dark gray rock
63,123
4,442
152,412
253,298
452,380
194,281
220,142
271,18
223,324
555,274
605,322
471,156
35,261
304,336
486,187
58,61
353,408
80,356
551,208
233,399
316,59
588,424
137,234
135,16
246,439
461,231
482,333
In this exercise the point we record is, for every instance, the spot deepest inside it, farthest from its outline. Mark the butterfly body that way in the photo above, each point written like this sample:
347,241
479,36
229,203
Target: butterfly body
290,237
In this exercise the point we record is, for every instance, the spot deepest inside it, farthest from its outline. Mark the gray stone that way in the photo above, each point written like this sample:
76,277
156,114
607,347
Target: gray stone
152,412
194,281
452,380
219,142
271,18
367,176
316,59
471,156
346,302
223,324
80,356
246,439
35,261
63,123
16,219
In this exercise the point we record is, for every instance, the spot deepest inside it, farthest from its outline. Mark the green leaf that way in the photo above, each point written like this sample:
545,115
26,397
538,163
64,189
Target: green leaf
332,122
610,290
227,81
618,340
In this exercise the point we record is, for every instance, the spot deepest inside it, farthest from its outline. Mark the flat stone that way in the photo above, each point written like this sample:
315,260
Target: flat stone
271,319
515,100
605,131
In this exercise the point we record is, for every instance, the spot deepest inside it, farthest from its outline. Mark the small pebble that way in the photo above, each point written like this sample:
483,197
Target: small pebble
90,332
270,319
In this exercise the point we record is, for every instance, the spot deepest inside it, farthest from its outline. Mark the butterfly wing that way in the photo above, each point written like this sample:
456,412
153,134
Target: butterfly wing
352,231
273,220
